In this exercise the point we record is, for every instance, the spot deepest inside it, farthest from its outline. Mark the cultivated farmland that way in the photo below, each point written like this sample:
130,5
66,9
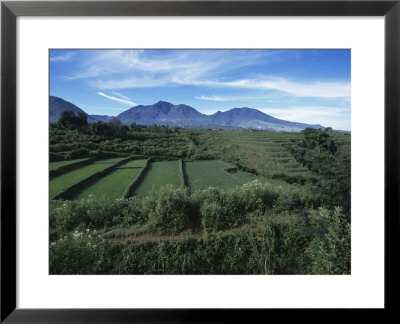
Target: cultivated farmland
159,175
174,231
213,173
204,174
116,183
264,151
62,182
199,175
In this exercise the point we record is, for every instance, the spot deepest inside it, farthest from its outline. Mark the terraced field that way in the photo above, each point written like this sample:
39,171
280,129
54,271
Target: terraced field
115,184
62,182
59,164
200,175
203,174
159,175
264,151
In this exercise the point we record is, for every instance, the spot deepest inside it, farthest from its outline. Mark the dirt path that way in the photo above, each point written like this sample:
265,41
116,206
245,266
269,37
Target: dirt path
152,237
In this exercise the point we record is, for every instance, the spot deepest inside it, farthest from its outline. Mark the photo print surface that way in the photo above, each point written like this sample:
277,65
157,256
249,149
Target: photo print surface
207,161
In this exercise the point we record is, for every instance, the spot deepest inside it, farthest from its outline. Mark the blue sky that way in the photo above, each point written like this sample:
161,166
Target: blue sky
311,86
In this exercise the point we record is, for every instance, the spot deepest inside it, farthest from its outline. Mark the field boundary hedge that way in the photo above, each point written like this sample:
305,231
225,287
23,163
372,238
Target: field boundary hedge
161,158
70,167
185,175
231,170
244,168
136,182
72,190
182,177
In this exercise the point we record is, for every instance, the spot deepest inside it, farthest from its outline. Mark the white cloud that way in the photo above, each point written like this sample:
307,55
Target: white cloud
215,98
106,63
121,100
123,69
317,89
61,58
120,95
127,83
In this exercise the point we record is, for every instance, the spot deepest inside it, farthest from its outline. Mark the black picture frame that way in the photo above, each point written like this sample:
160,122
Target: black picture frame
10,10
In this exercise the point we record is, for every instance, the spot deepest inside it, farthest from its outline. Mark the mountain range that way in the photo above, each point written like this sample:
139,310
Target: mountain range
165,113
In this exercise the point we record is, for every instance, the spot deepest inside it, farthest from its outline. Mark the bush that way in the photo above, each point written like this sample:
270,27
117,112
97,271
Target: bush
168,210
88,213
330,252
82,252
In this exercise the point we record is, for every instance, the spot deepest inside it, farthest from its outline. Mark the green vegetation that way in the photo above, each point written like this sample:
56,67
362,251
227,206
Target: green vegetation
115,184
204,174
159,175
200,201
212,173
329,164
262,151
246,230
59,164
62,182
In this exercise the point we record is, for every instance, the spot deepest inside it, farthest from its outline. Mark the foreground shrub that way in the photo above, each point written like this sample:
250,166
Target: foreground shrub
82,252
330,252
258,251
225,209
271,244
173,210
168,210
88,213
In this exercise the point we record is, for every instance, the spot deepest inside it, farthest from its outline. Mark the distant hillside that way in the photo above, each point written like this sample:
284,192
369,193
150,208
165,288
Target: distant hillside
165,113
58,105
255,119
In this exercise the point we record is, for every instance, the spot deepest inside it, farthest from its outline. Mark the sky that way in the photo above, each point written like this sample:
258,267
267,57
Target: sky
310,86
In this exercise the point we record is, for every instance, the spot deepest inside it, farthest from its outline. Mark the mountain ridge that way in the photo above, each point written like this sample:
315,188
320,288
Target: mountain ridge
57,105
181,115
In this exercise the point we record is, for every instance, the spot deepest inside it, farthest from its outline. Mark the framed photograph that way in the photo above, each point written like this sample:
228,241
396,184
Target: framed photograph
163,158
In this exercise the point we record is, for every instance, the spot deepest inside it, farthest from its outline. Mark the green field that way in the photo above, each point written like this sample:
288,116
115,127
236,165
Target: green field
204,174
201,175
159,174
59,164
113,185
62,182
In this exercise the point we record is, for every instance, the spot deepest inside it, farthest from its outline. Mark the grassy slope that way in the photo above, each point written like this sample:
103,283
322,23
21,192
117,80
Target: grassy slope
159,175
59,164
113,185
63,181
